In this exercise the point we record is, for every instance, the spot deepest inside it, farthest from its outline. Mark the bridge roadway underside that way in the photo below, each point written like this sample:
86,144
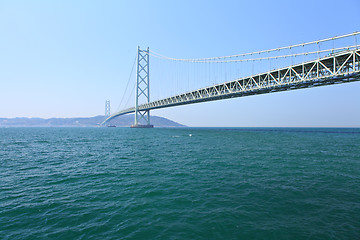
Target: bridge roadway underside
335,69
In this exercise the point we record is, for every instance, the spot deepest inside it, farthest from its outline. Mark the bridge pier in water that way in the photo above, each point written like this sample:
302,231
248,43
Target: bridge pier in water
142,117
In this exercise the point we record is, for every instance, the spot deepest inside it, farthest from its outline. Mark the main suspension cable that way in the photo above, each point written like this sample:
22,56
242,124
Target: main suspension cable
256,59
155,54
127,84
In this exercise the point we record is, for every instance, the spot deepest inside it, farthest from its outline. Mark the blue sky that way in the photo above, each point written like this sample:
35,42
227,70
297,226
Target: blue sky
65,58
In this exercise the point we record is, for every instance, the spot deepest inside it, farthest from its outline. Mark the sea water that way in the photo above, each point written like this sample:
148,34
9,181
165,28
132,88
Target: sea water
185,183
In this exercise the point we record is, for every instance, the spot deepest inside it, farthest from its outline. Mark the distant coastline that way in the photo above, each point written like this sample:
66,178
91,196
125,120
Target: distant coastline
122,121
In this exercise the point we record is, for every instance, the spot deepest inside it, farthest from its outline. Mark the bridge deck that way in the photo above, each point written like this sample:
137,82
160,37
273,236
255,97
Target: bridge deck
334,69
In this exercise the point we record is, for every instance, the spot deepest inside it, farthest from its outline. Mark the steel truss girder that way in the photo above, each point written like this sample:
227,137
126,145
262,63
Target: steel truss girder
318,72
334,69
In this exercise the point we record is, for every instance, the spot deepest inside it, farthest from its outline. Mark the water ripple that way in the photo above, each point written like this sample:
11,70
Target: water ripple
91,183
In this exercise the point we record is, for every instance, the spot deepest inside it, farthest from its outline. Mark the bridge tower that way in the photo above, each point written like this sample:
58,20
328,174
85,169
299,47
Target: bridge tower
107,108
142,118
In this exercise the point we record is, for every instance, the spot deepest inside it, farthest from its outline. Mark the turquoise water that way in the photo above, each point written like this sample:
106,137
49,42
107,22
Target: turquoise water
120,183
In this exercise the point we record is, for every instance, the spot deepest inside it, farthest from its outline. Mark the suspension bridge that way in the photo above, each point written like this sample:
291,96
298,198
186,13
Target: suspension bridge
318,63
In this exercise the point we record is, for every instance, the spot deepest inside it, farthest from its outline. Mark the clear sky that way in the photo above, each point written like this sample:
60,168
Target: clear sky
65,58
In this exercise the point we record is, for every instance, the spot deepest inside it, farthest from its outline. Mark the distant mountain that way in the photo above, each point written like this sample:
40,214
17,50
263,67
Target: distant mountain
122,121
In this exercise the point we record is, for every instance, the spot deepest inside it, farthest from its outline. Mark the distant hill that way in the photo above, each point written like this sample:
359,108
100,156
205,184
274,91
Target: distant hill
122,121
